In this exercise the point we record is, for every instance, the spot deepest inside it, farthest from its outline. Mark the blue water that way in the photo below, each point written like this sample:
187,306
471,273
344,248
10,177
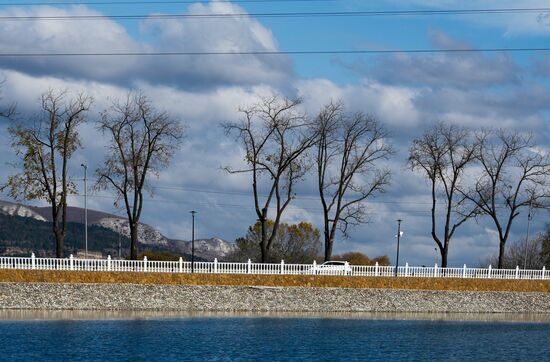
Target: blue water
273,339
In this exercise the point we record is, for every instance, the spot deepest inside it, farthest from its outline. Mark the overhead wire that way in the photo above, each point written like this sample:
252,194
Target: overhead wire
277,52
301,14
148,2
246,206
274,14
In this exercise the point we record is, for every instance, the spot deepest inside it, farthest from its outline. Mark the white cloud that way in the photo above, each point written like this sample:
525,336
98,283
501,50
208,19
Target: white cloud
512,24
107,36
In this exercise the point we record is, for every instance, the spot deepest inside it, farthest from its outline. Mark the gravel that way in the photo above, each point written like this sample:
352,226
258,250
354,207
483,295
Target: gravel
59,296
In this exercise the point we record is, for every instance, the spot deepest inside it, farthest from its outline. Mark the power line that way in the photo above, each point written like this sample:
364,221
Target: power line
249,194
145,2
248,206
298,197
274,52
277,15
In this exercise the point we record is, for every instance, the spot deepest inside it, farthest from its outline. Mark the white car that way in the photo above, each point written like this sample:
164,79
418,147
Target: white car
332,268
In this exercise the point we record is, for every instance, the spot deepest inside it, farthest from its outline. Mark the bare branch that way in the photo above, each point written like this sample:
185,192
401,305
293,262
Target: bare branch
514,176
143,141
348,149
275,137
443,154
45,146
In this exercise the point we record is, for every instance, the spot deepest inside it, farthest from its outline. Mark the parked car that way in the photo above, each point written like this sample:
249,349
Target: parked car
332,267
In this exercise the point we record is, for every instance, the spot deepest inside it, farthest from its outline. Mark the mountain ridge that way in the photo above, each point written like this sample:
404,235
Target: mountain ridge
148,236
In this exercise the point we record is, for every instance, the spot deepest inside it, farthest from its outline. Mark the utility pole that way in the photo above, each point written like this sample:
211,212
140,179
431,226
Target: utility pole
529,217
398,238
193,241
85,208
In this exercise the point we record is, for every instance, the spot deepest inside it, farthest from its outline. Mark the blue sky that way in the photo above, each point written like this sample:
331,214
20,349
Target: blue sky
406,92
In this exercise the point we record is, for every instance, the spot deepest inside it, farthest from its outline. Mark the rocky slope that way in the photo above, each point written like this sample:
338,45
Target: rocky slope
205,248
13,209
146,234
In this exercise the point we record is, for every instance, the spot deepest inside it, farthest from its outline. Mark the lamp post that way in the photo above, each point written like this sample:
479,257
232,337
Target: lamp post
398,238
193,241
85,209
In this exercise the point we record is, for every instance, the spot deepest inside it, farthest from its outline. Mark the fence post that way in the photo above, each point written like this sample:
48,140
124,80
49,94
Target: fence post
181,264
376,267
315,267
406,269
543,272
435,270
249,267
464,271
517,271
490,269
215,265
33,263
282,266
108,263
145,263
346,268
71,262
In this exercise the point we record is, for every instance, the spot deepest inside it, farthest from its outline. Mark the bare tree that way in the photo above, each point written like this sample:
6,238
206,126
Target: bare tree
522,253
348,150
513,176
45,145
275,136
142,142
443,154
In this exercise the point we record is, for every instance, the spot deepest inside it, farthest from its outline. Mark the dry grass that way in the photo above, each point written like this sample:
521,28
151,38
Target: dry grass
42,276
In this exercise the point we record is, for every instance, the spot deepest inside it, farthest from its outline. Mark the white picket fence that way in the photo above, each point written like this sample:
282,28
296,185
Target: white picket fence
215,267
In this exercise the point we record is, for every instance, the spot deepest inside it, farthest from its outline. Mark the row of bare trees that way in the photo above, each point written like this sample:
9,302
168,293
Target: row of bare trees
482,172
282,144
471,173
141,141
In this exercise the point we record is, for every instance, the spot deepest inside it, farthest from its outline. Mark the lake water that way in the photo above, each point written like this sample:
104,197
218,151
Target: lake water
259,337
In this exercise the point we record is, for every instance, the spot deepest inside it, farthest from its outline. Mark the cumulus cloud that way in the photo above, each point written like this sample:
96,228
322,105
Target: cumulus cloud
542,66
511,24
463,70
390,104
177,35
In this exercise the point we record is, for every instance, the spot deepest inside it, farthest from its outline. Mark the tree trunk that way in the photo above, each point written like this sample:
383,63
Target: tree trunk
328,247
501,254
263,242
444,253
58,233
134,241
59,239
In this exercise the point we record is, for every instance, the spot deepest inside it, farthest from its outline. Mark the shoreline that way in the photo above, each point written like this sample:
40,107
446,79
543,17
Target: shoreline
204,298
7,315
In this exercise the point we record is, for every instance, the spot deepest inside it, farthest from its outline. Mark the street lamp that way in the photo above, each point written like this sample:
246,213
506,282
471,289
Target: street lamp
85,208
193,241
399,233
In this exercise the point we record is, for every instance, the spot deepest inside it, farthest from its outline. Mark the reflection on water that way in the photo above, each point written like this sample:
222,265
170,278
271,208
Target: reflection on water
26,314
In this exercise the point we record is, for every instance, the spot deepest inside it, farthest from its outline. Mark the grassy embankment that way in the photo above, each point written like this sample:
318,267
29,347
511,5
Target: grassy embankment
41,276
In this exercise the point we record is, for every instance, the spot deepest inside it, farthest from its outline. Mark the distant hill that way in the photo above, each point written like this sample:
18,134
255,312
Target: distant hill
25,229
20,236
74,214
